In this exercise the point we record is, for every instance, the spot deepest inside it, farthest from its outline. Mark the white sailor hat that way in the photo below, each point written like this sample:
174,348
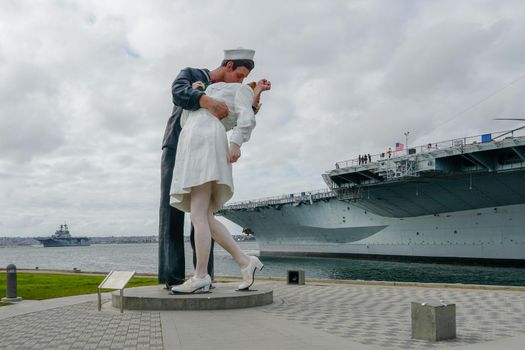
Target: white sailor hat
239,54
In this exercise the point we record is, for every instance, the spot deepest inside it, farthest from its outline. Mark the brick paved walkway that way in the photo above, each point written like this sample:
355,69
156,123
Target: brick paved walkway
81,327
367,316
380,316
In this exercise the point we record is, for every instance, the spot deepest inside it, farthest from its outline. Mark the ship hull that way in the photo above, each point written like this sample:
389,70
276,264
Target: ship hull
73,242
461,199
342,229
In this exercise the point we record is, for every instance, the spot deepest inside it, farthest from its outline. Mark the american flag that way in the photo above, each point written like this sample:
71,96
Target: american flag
399,146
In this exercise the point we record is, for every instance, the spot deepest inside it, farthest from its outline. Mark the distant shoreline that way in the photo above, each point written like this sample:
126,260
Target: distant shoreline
31,241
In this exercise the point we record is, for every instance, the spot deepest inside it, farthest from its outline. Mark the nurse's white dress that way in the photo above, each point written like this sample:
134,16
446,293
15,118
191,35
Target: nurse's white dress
202,149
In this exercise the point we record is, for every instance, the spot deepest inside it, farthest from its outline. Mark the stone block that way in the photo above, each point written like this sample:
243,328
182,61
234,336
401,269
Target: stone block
433,321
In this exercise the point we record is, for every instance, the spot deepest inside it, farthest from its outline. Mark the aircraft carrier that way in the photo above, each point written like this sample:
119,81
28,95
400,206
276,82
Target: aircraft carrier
62,238
462,199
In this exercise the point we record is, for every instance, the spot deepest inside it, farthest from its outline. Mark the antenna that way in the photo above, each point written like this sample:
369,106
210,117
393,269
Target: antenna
511,131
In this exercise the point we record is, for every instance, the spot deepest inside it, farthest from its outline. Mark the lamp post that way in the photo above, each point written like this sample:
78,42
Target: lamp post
406,140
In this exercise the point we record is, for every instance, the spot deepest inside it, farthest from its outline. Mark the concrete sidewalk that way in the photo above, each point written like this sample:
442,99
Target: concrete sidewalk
314,316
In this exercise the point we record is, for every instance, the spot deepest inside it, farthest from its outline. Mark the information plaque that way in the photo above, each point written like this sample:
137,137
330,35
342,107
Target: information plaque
115,280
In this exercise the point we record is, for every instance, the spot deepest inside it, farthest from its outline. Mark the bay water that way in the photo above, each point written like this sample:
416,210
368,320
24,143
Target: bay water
143,258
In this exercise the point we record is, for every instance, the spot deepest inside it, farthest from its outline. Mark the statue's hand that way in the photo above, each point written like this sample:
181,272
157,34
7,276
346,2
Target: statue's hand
262,85
234,153
197,85
218,108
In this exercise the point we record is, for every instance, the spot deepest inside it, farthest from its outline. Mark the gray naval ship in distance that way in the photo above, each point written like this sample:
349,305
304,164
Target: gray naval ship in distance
459,200
62,238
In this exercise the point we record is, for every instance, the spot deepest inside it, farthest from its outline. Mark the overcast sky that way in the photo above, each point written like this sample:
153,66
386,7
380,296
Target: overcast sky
85,94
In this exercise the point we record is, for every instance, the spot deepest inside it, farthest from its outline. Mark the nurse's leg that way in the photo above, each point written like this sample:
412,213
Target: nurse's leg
221,234
200,203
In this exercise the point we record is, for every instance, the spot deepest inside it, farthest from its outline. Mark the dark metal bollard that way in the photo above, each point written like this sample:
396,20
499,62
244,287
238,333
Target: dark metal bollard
11,281
11,284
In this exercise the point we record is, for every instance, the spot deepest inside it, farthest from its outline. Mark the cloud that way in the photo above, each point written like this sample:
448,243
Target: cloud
85,94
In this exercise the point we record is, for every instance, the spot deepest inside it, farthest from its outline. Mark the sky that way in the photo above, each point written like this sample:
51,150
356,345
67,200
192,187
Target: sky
85,94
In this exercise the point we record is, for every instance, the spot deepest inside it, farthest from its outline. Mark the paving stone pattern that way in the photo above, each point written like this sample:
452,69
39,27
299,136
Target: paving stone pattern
81,326
380,316
373,315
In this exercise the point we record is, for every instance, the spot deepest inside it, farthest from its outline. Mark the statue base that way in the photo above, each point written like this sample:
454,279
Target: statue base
223,296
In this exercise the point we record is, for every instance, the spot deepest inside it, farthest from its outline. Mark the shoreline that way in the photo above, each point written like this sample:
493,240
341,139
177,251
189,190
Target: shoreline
309,281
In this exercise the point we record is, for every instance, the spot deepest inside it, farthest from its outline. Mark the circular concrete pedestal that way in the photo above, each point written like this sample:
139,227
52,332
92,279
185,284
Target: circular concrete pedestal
223,296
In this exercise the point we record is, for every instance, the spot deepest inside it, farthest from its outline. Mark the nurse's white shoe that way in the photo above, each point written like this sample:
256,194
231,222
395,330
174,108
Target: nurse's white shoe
248,273
194,285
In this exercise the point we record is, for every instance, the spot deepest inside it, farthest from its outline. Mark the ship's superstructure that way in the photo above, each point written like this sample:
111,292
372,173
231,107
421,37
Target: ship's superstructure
463,198
62,238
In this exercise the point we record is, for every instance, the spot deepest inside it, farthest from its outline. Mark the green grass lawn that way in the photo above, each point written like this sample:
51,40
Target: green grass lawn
39,286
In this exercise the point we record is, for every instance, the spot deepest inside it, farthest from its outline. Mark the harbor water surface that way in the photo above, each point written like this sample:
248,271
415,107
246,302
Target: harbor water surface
143,259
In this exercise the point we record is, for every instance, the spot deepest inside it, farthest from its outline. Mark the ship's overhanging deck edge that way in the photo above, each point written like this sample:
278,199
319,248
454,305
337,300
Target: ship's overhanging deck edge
468,176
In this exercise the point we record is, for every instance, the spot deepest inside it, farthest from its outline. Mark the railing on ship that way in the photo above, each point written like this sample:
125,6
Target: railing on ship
291,198
430,147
